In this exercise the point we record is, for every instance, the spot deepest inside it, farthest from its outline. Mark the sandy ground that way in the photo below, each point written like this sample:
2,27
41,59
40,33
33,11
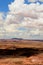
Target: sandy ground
32,60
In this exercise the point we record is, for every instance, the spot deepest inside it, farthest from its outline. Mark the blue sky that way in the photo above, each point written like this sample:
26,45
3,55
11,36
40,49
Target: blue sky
4,4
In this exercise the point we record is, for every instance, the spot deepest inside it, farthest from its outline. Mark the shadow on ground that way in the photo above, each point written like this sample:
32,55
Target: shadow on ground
19,52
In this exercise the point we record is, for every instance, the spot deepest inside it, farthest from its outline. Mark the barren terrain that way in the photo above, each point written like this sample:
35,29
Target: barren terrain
21,52
12,44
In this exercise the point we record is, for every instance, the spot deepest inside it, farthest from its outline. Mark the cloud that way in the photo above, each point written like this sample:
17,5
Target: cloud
32,0
1,25
23,21
35,0
41,0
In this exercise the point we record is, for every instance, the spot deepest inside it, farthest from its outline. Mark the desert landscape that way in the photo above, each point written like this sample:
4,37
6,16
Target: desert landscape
21,52
21,32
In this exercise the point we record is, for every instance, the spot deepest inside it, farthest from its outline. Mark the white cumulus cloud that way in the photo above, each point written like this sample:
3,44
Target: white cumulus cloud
23,20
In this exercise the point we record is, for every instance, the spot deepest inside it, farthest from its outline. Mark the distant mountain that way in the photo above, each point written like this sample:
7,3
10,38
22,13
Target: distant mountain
19,39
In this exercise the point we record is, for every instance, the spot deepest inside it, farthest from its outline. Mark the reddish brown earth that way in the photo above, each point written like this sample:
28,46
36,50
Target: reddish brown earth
12,44
33,60
21,52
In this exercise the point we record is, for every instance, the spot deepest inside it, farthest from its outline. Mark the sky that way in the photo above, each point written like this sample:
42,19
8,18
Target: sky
21,19
4,5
